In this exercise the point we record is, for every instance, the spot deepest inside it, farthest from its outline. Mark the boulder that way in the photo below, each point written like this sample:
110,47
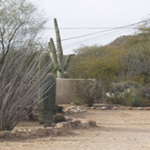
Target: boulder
92,123
6,135
33,132
41,132
85,123
139,108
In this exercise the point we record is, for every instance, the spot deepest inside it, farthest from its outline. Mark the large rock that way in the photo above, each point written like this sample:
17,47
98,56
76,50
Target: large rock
97,105
17,133
41,132
76,123
66,125
58,131
6,135
24,134
103,108
33,132
139,108
92,123
85,123
68,118
147,108
49,131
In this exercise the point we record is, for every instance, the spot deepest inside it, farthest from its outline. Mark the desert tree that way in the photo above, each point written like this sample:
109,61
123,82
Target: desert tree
20,21
88,90
20,29
135,62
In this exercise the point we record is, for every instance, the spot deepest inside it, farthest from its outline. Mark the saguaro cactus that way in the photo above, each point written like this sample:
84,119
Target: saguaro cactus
46,102
49,99
57,57
44,59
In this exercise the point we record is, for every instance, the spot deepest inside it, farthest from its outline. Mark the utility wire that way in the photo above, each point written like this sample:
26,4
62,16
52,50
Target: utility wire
95,38
101,36
104,30
86,28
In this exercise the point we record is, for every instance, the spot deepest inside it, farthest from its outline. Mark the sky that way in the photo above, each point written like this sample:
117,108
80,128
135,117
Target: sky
91,22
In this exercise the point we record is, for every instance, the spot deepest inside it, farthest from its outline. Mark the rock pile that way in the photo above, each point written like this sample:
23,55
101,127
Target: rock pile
116,107
59,129
74,109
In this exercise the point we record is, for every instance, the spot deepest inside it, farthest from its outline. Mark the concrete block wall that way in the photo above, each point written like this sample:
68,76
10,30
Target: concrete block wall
64,91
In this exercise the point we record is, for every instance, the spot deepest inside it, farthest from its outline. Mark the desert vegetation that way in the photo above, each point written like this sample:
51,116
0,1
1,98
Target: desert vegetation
124,61
118,72
19,58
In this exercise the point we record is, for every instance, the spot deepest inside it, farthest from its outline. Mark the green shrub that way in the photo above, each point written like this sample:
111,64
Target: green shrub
76,102
123,98
129,93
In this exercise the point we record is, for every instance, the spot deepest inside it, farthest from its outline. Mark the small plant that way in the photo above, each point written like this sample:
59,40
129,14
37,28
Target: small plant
76,102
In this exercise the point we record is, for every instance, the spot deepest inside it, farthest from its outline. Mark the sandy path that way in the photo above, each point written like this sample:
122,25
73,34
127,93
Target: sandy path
117,130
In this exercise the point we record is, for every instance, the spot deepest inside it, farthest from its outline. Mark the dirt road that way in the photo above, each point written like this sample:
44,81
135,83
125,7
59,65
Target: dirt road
117,130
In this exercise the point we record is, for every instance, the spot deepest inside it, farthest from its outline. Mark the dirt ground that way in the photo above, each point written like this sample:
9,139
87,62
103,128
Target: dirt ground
117,130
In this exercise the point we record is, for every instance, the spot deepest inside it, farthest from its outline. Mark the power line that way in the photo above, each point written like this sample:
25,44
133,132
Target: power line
95,38
102,36
104,30
84,28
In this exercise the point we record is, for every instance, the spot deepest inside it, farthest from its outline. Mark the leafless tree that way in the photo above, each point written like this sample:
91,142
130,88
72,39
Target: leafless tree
136,61
88,90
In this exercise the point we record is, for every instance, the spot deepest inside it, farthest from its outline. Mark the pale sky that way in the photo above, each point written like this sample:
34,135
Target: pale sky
92,14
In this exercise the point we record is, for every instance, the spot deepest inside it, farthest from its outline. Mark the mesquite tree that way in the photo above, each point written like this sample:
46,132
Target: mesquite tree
19,23
20,26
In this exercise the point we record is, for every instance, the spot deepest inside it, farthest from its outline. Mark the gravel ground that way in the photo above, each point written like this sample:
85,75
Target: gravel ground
117,130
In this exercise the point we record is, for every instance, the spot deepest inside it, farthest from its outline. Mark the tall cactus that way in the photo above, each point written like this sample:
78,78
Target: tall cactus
57,57
44,59
46,102
49,99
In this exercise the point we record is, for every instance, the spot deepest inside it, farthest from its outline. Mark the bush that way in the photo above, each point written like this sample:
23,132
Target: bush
88,90
76,102
129,93
123,98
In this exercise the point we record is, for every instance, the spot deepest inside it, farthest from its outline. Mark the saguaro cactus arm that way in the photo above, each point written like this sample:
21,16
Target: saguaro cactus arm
66,65
59,46
53,52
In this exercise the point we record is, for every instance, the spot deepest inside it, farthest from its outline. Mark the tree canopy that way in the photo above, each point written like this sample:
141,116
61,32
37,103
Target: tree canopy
20,22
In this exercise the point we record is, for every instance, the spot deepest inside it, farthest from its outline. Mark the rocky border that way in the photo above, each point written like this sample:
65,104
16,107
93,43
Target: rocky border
59,129
79,109
117,107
